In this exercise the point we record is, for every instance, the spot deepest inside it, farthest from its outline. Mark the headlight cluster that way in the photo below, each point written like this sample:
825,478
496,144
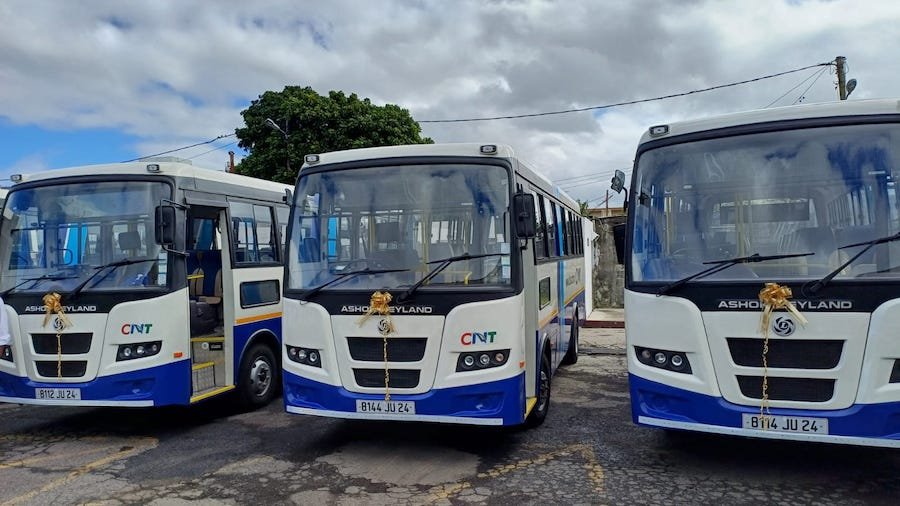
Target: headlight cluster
7,354
305,356
473,361
138,350
671,360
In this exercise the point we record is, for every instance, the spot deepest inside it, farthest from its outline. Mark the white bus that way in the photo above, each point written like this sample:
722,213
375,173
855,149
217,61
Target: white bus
168,278
732,215
482,261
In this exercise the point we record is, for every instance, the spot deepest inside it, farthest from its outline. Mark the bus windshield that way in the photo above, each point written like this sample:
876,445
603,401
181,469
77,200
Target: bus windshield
401,217
58,236
812,190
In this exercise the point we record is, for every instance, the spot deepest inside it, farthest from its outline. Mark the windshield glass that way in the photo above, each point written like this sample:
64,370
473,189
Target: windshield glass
64,231
401,217
794,191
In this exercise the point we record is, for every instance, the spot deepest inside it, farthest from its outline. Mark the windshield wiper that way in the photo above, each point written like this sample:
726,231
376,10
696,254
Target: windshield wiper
343,276
442,264
818,285
721,265
114,265
50,277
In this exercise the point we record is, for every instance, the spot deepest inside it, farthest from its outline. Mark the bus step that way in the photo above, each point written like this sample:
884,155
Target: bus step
203,376
210,392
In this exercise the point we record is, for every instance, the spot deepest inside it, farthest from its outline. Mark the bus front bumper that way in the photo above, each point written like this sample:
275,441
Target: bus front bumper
155,386
657,405
496,403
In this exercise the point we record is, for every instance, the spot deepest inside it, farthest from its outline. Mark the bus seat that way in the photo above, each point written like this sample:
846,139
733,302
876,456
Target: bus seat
819,240
129,241
439,251
853,235
309,250
206,278
405,258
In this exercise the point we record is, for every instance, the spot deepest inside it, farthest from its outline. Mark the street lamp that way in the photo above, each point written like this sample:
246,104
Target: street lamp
274,126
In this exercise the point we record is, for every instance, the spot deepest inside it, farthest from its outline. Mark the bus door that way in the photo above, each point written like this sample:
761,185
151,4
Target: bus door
210,304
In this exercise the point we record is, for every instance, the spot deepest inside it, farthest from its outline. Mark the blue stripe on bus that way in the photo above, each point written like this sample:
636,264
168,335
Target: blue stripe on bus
656,400
497,399
243,333
164,384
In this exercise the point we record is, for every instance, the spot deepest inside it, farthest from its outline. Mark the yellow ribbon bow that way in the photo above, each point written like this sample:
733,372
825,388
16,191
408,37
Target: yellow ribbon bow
773,296
380,304
53,303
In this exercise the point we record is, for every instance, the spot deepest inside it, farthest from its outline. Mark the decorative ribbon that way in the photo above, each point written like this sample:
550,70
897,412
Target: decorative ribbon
380,304
53,303
773,296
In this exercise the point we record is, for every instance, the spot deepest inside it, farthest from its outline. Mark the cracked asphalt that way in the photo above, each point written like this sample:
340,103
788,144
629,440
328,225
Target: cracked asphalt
587,452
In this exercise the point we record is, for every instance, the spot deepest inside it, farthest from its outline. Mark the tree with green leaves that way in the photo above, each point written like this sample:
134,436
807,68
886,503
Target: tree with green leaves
282,127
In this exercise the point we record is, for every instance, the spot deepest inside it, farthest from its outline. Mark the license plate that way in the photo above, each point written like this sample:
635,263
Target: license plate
781,423
386,407
66,394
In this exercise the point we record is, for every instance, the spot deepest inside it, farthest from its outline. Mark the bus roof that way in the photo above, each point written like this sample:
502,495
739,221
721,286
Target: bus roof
408,150
174,169
796,112
446,149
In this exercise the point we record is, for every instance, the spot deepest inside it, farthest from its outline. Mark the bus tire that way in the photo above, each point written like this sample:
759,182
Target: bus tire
539,413
258,381
571,355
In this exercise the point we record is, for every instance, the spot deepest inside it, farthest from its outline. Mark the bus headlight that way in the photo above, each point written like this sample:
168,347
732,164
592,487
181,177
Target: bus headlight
481,360
676,361
138,350
7,354
305,356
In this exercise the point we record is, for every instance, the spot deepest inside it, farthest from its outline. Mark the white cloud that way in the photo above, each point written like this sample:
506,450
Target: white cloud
174,72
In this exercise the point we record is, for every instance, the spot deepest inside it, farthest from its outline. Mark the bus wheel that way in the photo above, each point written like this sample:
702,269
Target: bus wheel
258,377
539,413
571,355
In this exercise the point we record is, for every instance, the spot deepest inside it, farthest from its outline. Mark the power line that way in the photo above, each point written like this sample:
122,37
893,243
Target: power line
213,149
792,89
629,102
575,179
803,95
180,149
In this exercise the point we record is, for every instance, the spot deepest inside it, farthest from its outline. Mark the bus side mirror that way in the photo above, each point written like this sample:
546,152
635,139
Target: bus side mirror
523,209
618,182
619,241
165,225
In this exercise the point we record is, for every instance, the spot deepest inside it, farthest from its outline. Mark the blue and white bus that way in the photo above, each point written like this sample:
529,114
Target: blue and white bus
440,283
141,284
794,212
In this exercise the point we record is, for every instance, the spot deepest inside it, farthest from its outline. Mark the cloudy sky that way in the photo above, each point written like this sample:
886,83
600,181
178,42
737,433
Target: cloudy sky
106,81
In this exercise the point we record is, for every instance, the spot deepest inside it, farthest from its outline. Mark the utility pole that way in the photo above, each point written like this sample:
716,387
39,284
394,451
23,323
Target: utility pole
840,62
231,161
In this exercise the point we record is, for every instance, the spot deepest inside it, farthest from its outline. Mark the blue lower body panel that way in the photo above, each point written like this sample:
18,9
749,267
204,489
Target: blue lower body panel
659,405
495,403
155,386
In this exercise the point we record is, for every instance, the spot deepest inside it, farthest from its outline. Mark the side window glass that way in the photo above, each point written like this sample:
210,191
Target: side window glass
550,218
540,241
265,234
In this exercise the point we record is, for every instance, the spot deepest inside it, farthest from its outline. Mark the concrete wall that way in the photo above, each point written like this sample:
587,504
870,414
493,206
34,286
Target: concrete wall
609,276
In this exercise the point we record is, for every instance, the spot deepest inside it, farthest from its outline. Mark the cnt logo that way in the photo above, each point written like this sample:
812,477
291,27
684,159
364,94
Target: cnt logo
470,338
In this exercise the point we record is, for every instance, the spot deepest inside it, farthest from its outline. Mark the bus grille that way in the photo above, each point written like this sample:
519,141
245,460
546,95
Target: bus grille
369,349
72,344
788,389
69,368
399,378
787,353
